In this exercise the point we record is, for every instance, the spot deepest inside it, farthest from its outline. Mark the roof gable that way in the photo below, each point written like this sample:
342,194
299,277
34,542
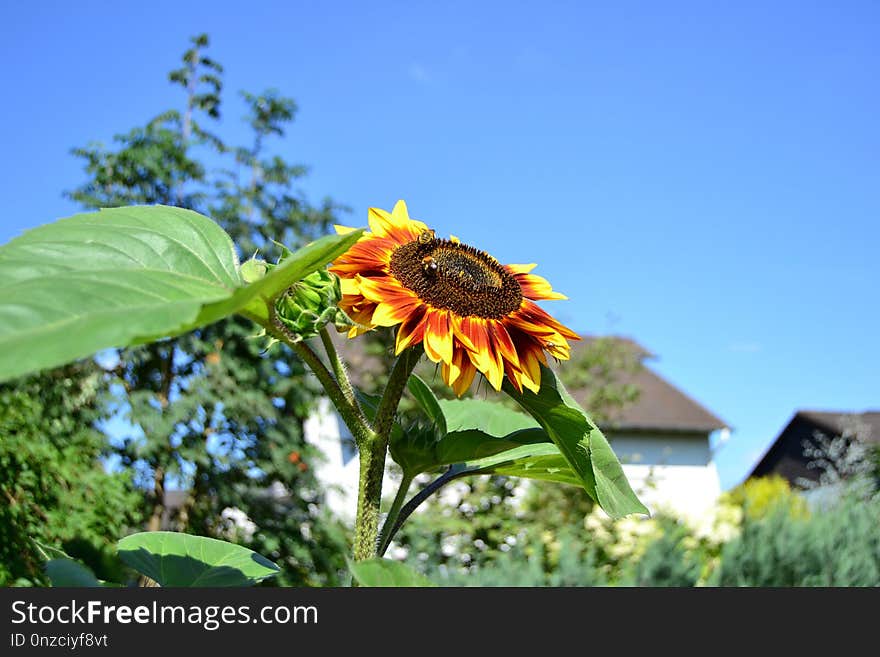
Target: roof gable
660,405
785,456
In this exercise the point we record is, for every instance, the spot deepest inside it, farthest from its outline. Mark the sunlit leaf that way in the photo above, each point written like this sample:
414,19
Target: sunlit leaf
176,559
124,276
428,402
384,572
581,443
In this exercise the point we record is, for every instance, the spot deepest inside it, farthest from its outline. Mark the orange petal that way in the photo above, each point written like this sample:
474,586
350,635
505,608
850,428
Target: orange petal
537,287
541,315
530,366
501,340
452,370
380,221
438,336
382,288
392,312
412,330
464,328
349,285
520,269
486,358
514,376
464,380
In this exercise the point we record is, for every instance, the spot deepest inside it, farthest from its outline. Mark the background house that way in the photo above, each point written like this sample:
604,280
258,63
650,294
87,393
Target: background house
789,455
664,439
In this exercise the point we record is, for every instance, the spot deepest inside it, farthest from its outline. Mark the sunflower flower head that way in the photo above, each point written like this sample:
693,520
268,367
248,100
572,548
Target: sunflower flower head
471,313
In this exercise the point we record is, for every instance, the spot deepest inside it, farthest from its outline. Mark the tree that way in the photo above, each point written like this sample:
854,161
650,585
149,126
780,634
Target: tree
54,488
209,411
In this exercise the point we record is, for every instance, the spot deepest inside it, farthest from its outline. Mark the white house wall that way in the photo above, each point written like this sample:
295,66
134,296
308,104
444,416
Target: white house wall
672,472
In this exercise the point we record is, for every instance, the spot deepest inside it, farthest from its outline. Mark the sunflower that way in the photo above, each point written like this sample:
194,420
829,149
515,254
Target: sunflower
471,313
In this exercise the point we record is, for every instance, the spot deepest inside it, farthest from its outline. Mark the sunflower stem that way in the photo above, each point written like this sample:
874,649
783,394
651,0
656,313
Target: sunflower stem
393,512
372,457
339,370
400,373
390,530
351,413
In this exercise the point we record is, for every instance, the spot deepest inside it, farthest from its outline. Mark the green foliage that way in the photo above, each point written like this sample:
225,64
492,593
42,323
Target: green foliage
666,561
176,559
212,411
603,370
53,487
67,572
384,572
761,496
530,562
582,444
92,281
471,524
839,546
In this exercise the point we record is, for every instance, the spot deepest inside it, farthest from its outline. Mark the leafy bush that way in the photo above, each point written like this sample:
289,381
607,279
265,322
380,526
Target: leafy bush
839,546
53,487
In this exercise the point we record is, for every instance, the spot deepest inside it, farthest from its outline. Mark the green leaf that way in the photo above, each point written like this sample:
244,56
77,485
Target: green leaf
67,572
252,299
535,461
49,552
581,443
176,559
428,402
471,444
478,429
489,417
384,572
124,276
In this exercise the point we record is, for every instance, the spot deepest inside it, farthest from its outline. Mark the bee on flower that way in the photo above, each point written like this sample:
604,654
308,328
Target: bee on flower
471,313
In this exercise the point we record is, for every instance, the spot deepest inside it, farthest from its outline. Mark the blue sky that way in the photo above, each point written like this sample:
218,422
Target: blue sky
703,178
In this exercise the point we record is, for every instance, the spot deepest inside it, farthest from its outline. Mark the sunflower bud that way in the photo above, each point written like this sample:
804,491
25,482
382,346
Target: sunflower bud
310,303
253,270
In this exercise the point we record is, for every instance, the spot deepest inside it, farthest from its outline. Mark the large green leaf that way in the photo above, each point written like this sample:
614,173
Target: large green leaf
477,429
489,417
67,572
581,443
471,444
384,572
540,460
428,402
124,276
176,559
251,299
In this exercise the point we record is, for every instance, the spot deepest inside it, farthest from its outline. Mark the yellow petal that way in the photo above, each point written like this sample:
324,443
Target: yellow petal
343,230
520,269
400,214
380,222
438,337
468,372
349,285
392,313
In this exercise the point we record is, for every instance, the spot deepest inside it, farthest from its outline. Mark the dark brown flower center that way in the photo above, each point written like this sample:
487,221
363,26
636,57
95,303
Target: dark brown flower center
456,277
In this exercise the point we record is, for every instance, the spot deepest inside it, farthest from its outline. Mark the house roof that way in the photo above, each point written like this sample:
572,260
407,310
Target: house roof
660,406
865,425
785,455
